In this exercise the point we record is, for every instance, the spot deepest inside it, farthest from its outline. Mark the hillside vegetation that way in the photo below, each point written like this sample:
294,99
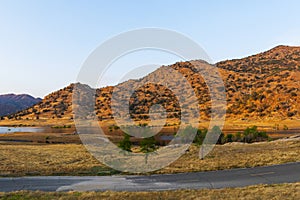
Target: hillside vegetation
258,87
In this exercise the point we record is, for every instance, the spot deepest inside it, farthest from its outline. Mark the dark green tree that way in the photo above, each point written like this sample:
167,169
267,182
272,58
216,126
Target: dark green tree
222,139
229,138
216,131
148,145
200,136
251,134
187,134
238,137
125,144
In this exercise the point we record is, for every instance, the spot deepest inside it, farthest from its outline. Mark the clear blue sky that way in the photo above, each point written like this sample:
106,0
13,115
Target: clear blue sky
44,43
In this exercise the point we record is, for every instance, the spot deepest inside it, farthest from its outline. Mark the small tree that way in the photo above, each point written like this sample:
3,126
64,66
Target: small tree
238,137
251,134
148,145
229,138
218,132
200,136
188,134
222,139
125,144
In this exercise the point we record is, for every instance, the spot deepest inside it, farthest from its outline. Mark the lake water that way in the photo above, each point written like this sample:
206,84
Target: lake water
20,129
5,130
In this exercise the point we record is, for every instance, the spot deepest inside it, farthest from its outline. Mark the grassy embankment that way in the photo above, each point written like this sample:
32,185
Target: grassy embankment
73,159
278,191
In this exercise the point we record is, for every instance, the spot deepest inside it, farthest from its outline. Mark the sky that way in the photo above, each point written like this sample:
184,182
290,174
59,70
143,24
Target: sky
43,44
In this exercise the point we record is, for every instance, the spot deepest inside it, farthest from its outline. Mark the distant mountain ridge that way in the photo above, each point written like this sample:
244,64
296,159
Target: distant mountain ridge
12,103
261,86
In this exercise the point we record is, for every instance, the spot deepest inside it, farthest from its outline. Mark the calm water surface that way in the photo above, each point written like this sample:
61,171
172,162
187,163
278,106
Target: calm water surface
6,130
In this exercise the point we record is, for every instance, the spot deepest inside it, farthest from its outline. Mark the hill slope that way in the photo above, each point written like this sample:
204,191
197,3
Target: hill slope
262,86
11,103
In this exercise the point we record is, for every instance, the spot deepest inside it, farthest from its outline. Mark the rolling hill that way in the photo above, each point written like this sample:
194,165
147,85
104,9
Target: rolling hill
11,103
261,86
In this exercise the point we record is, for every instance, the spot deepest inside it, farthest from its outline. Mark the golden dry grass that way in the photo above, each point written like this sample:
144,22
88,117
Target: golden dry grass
238,155
36,122
73,159
266,124
45,159
278,191
55,138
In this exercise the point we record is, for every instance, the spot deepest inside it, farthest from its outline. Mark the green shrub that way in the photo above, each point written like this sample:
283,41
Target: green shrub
200,136
148,145
251,134
229,138
125,144
238,137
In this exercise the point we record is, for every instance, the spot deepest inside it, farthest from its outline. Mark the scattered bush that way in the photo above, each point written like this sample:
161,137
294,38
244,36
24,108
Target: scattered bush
249,135
200,136
148,145
125,144
64,126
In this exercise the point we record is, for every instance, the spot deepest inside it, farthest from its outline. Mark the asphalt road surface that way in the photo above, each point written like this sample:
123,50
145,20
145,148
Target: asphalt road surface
286,173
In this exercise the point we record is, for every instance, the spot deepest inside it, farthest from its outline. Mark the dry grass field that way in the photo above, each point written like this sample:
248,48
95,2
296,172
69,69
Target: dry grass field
238,155
73,159
281,191
46,138
36,122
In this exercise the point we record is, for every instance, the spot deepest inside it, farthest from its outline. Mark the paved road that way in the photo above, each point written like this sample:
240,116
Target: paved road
215,179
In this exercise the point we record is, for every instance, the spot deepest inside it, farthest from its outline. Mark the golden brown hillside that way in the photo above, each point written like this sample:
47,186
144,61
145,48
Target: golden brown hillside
262,86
